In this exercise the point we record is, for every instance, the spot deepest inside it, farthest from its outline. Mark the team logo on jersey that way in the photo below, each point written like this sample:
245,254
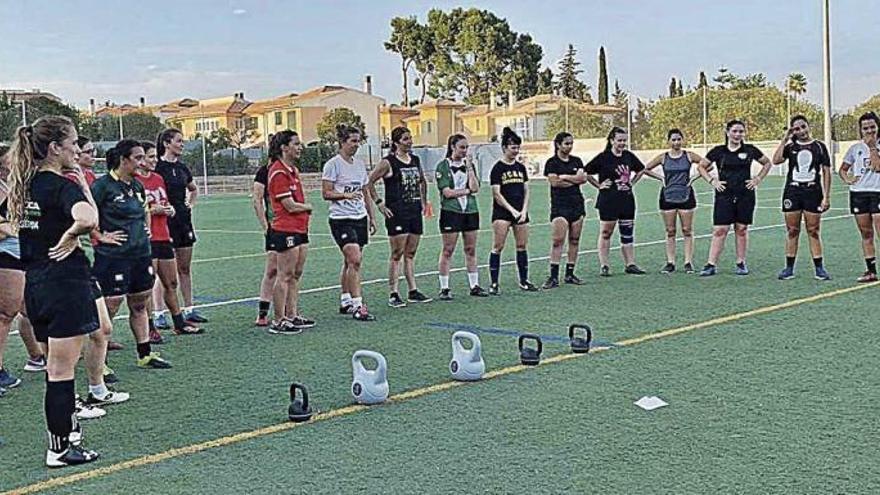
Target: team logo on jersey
119,198
743,156
398,228
786,204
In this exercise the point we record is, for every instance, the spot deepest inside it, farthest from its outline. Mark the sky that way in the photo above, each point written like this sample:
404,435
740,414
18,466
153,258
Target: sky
165,50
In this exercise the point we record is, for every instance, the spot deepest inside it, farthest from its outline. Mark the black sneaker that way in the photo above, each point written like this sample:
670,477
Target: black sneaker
301,322
283,327
634,270
478,291
529,287
551,283
689,268
395,301
417,297
445,295
573,280
494,290
669,268
361,314
71,456
604,271
346,309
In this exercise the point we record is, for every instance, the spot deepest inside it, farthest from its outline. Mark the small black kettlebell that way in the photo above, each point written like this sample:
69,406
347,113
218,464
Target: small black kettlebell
530,356
579,344
299,410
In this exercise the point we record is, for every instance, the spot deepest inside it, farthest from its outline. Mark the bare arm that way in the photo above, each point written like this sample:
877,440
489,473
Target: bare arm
473,180
755,181
193,193
259,190
780,150
293,207
843,173
499,198
330,194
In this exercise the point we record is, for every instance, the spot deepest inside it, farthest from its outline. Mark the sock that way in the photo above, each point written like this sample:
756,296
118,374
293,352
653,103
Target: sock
817,262
178,320
264,308
789,261
710,265
444,281
143,350
569,269
871,263
494,267
473,279
522,265
357,302
554,271
60,408
98,391
345,299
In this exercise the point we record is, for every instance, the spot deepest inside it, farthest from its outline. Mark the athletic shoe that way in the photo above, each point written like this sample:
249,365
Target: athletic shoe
305,321
301,322
494,290
787,273
741,269
528,286
283,327
395,301
194,316
867,277
156,337
445,295
604,271
573,280
689,268
417,297
669,268
550,283
153,360
478,291
114,346
361,314
84,411
110,377
188,330
35,364
634,270
708,271
2,391
8,380
71,456
821,274
262,321
111,398
346,309
161,322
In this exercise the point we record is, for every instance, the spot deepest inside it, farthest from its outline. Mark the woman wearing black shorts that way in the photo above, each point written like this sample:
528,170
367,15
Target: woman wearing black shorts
565,172
263,210
806,192
182,193
677,198
618,170
510,208
861,171
734,193
458,184
125,270
51,213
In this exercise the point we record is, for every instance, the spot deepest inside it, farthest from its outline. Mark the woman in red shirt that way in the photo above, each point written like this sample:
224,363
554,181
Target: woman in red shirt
290,231
164,262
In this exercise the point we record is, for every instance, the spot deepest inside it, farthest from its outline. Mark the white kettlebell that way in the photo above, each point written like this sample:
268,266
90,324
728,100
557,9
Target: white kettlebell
467,364
369,386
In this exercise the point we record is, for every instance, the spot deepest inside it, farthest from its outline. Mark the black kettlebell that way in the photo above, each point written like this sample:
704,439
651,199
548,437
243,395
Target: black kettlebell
580,345
530,356
299,410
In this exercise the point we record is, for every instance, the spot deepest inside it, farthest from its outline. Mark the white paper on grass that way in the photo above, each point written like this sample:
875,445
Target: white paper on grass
650,403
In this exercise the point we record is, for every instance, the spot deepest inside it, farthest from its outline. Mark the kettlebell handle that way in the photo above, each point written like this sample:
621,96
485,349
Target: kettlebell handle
530,336
305,394
577,326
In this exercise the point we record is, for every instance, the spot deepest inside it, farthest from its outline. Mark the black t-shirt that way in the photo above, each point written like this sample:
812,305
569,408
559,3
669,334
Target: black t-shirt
618,169
734,167
564,196
402,187
47,216
805,161
512,179
262,177
177,176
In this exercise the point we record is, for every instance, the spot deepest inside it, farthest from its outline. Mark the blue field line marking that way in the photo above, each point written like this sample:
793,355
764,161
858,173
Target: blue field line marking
557,339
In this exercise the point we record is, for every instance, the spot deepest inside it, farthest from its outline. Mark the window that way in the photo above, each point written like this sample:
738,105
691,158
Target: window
428,127
291,120
277,118
478,124
251,123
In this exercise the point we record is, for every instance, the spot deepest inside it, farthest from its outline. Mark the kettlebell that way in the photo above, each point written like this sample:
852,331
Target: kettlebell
467,364
299,410
530,356
580,345
369,386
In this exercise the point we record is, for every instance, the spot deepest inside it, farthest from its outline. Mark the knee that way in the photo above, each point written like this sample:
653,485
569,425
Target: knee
183,270
605,234
574,242
627,232
396,255
867,234
409,255
793,231
469,251
447,251
521,245
6,317
720,232
687,231
172,284
271,273
139,306
287,276
670,232
741,231
100,336
353,262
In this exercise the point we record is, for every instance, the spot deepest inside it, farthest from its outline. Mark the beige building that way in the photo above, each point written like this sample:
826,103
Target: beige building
211,115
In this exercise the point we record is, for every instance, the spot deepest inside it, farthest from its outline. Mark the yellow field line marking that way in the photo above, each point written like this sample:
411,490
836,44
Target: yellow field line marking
409,395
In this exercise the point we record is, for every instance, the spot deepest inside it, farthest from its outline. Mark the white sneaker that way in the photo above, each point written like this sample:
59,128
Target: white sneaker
110,398
35,365
71,456
84,411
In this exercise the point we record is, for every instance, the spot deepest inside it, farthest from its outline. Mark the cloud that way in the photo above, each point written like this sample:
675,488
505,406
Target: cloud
239,12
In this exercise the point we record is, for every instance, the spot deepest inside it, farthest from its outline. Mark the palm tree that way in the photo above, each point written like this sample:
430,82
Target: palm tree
796,84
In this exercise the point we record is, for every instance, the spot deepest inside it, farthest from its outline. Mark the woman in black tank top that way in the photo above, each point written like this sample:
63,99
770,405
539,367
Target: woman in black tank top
403,206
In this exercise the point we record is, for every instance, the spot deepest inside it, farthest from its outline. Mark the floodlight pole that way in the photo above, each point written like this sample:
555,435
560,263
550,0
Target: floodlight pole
826,73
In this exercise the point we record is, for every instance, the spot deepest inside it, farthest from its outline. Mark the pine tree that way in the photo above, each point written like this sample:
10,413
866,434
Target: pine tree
568,83
545,82
603,77
703,81
673,89
680,91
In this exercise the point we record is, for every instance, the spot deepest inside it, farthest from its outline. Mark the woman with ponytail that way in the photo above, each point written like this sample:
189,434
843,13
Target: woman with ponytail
861,172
